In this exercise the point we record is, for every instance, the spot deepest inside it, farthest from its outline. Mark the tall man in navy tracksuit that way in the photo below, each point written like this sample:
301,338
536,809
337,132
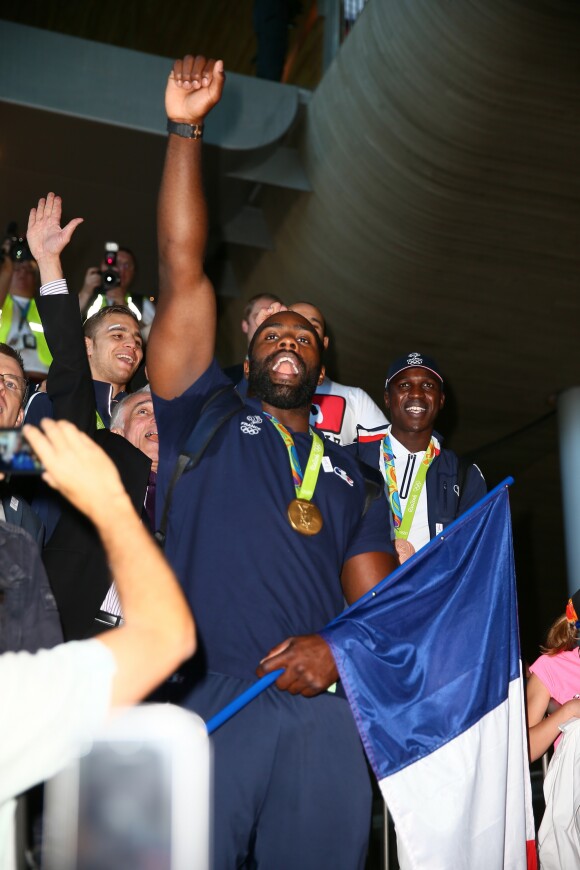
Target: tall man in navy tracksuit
268,535
427,485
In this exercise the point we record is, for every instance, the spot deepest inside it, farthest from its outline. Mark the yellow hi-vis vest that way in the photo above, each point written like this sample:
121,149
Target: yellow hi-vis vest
101,302
35,323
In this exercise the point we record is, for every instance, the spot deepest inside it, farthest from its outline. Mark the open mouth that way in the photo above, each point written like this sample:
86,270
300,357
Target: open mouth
152,436
415,410
287,365
126,358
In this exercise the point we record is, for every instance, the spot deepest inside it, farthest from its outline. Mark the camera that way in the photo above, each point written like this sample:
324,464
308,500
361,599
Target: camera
17,246
110,274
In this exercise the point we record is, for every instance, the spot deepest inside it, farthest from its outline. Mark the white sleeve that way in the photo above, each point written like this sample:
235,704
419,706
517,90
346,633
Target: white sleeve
558,836
53,702
148,313
367,413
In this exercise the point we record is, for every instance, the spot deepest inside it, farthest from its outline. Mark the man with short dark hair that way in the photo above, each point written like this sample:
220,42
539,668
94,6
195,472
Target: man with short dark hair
114,348
268,535
428,486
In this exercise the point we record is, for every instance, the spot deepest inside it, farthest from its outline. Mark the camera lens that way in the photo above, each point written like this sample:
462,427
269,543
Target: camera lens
110,278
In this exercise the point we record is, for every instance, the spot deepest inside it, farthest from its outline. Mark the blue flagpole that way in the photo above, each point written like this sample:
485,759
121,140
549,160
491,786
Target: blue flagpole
242,700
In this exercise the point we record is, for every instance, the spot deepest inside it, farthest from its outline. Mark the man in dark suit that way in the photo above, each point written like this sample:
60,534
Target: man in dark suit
114,348
74,557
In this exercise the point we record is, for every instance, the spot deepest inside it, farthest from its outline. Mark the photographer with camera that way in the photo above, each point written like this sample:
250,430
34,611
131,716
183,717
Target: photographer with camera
111,285
20,324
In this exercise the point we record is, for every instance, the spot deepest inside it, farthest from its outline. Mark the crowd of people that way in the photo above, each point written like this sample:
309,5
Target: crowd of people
277,493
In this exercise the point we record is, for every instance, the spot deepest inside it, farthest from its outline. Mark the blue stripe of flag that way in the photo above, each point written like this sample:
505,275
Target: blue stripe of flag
435,649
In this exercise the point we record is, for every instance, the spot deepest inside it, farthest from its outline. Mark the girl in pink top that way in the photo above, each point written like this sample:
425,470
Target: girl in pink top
555,676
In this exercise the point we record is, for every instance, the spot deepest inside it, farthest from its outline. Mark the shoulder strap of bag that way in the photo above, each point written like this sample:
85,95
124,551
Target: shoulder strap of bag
374,483
218,409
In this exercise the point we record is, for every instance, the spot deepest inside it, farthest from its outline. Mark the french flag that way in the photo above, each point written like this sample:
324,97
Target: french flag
430,662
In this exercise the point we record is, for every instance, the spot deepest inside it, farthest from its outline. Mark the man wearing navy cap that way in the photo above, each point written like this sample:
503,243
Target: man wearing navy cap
427,485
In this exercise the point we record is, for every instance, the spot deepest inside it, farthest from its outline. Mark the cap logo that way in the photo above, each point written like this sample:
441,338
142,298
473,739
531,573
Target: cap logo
414,359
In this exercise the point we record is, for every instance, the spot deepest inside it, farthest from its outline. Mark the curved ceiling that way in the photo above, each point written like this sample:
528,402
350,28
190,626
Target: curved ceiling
442,150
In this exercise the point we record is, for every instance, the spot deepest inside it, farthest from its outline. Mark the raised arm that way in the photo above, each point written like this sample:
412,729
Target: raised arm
70,384
159,632
182,339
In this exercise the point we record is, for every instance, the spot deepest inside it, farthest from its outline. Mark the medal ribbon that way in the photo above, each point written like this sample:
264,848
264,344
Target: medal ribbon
402,522
304,484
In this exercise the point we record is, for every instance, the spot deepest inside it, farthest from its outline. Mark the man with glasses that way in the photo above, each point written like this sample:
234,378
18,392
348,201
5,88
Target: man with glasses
12,387
13,383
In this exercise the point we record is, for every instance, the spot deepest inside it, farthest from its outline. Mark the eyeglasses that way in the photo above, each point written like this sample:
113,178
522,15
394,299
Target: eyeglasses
13,383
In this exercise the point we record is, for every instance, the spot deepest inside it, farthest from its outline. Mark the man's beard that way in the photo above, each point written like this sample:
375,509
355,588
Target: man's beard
284,396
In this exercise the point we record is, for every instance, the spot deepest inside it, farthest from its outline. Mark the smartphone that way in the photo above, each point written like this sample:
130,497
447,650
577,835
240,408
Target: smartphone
16,455
139,799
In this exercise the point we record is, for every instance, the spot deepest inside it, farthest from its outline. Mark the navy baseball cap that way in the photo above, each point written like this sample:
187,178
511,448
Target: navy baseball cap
411,360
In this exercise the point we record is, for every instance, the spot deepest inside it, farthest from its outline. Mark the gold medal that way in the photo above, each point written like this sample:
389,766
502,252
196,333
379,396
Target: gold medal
405,549
304,517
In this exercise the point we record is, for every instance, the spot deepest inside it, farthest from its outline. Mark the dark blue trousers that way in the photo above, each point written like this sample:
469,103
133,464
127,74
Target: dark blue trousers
291,790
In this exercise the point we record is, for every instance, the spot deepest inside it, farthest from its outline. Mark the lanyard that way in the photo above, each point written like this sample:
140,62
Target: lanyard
402,522
304,484
23,309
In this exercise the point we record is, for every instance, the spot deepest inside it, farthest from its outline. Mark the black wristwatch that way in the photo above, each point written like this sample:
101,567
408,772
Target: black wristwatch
186,131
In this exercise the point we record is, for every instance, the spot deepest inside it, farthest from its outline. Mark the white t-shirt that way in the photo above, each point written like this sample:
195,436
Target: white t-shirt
53,703
337,409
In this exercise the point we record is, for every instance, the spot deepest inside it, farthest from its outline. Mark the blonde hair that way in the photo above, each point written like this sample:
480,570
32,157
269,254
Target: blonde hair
562,637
